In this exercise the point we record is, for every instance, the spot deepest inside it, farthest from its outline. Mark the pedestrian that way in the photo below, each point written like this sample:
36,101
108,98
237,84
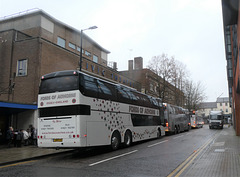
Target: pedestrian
25,137
34,136
15,138
29,136
9,136
1,140
19,138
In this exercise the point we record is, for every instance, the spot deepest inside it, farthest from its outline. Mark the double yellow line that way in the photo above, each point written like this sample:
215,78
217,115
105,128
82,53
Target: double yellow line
20,163
180,169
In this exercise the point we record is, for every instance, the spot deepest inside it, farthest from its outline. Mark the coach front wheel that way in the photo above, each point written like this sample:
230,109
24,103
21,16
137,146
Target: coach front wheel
115,141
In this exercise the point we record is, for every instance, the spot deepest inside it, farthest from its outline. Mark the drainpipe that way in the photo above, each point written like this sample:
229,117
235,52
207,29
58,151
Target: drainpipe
10,69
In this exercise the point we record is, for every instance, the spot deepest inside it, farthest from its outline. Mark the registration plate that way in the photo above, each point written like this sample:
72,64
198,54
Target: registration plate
57,140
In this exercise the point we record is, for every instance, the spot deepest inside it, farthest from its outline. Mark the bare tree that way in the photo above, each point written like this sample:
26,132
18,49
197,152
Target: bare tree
172,73
163,66
179,78
195,93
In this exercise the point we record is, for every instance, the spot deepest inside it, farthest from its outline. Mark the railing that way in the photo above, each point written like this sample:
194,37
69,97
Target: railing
19,13
112,64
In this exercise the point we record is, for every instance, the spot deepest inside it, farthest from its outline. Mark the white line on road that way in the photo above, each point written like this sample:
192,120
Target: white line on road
112,158
178,137
157,143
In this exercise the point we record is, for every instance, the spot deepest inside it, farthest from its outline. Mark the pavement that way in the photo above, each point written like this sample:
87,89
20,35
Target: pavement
24,153
219,157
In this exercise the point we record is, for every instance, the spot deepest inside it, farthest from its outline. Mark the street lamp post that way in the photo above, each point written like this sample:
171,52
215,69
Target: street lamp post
80,62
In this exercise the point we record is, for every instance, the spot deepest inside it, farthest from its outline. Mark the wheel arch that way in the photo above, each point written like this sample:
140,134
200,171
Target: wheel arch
127,130
117,132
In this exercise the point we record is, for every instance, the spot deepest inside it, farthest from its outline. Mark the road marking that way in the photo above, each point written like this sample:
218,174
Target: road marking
157,143
15,164
180,166
180,169
219,143
219,150
112,158
178,137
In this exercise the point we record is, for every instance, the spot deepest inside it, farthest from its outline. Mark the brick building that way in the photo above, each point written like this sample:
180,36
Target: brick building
152,84
34,44
231,26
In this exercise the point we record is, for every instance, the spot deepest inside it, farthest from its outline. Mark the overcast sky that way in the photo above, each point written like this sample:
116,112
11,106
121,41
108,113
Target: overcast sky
189,30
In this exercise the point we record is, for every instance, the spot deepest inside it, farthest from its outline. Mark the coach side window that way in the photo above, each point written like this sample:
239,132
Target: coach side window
90,86
159,102
107,91
154,101
122,95
131,96
139,99
146,101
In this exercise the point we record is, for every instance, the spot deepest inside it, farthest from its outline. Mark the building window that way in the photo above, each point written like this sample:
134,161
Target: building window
226,104
22,67
226,110
230,73
72,45
95,59
229,48
87,53
220,104
229,63
151,86
78,49
61,42
104,55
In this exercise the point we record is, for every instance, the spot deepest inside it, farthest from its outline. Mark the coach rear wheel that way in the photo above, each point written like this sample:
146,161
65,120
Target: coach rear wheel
128,138
178,129
175,130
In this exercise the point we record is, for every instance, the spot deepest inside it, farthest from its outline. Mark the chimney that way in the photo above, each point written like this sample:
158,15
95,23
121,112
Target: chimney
130,65
138,63
115,65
